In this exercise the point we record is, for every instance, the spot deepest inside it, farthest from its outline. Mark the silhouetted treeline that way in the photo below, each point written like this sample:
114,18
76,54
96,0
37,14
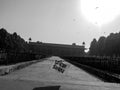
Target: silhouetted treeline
14,49
106,46
12,42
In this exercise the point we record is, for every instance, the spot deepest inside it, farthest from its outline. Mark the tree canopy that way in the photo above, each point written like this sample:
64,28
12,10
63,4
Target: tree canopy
12,42
106,46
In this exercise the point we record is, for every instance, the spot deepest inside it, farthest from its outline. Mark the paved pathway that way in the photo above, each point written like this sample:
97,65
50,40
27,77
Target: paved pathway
42,74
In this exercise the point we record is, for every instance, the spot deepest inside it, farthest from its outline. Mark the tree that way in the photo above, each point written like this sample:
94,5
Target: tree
30,39
83,43
101,46
3,34
12,42
108,46
93,47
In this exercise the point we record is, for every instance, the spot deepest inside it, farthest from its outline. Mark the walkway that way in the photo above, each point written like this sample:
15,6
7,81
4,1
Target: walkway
42,74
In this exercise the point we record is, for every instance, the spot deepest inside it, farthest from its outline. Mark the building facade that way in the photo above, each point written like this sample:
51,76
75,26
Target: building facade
57,49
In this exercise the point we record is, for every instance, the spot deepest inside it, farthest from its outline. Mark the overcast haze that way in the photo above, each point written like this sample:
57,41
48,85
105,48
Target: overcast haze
52,21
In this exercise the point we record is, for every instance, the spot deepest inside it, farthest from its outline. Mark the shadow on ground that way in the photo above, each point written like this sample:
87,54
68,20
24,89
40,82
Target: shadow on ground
103,76
47,88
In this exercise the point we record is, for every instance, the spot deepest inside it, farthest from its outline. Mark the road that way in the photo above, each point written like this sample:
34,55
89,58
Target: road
42,74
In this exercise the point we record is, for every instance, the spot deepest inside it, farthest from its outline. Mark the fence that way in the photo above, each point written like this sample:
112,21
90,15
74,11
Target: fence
15,57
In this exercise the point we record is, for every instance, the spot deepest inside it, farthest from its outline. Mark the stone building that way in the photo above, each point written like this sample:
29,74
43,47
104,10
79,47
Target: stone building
57,49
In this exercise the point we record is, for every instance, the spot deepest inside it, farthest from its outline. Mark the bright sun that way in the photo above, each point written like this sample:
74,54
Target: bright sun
100,11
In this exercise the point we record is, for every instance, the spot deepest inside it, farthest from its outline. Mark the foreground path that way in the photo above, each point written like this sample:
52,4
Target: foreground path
42,74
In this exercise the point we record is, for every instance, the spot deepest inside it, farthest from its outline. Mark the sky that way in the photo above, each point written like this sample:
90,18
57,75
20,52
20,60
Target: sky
52,21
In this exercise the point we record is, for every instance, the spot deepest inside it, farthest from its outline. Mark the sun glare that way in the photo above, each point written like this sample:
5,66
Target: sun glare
100,12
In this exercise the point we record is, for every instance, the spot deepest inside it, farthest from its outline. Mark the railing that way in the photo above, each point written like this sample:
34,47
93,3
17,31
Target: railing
111,65
7,58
